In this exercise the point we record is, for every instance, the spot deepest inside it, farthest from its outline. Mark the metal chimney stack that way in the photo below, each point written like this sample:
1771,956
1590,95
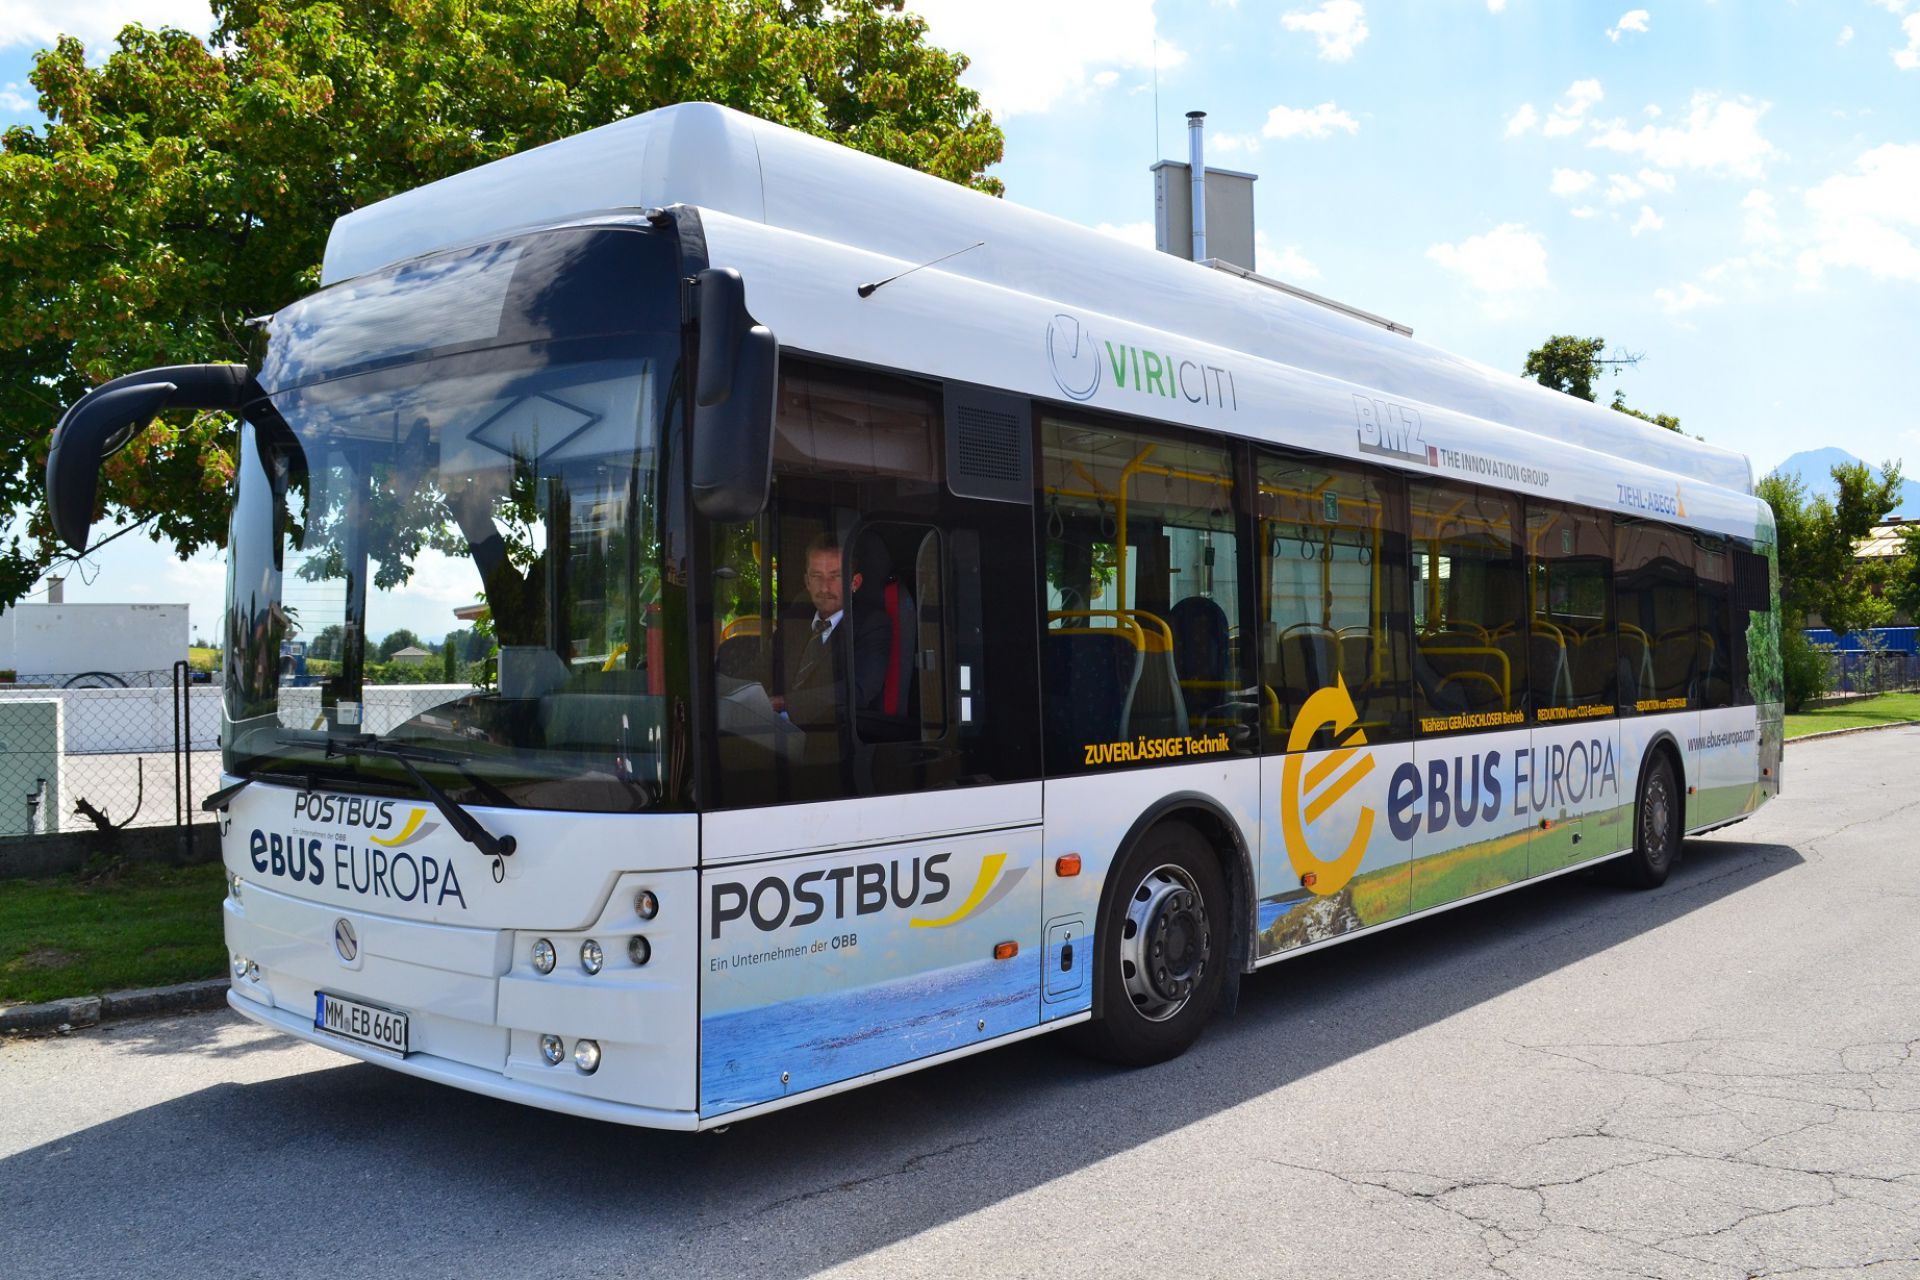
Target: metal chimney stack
1197,168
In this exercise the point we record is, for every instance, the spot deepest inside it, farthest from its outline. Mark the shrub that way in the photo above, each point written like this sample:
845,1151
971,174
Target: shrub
1805,667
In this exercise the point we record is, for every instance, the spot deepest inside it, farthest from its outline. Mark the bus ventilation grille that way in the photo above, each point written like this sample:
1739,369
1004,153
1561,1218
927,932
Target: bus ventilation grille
989,454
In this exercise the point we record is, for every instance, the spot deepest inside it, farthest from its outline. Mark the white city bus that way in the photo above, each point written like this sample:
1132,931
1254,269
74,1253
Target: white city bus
1174,625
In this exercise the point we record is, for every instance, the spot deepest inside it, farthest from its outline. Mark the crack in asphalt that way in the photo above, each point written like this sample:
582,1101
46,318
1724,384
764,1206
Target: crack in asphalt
1526,1223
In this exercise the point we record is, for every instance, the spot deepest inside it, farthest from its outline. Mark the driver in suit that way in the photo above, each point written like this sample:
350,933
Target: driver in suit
836,669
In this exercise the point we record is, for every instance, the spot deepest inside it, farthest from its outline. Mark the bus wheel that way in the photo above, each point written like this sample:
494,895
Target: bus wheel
1163,943
1656,828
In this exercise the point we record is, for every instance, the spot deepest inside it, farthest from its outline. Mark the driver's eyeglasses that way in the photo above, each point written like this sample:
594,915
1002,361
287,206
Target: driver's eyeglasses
822,579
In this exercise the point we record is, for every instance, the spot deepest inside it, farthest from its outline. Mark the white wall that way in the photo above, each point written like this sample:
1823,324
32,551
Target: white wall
68,639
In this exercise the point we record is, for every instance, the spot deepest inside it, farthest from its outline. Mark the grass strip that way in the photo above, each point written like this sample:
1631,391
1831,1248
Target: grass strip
1861,713
134,926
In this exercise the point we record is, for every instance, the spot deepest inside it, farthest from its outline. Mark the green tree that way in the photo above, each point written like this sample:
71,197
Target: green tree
1819,574
396,641
1567,364
184,185
1572,365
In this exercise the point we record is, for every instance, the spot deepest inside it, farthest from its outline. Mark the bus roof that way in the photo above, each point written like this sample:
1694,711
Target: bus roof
714,158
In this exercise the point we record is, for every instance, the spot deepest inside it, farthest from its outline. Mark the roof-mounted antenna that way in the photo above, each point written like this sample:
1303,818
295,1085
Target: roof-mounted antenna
866,290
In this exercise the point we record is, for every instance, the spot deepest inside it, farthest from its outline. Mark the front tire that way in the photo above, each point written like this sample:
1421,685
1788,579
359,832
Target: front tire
1656,827
1164,940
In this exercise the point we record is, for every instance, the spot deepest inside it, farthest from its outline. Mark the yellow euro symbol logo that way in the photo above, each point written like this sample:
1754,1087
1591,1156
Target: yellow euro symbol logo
1329,708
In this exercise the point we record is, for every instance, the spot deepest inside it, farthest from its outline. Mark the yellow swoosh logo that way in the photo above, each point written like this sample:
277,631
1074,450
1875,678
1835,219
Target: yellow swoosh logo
989,869
406,832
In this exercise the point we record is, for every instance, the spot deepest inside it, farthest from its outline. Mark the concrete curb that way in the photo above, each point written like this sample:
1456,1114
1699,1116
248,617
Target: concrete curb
58,1017
1862,728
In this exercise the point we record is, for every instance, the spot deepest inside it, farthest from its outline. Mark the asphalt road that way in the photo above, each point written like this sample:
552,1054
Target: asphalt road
1713,1079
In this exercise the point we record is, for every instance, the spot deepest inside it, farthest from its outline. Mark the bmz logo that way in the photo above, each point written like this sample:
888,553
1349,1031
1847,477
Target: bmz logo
1323,786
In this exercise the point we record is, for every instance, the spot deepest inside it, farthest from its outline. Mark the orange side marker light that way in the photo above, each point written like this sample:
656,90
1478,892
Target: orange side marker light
1310,879
1546,824
1005,950
1067,864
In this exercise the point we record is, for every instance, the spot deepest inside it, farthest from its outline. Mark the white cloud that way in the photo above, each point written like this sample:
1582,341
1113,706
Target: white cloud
1719,135
1687,297
96,22
1134,233
1763,221
1310,122
1584,211
1025,62
1846,37
1339,26
1496,6
1501,265
1570,182
1285,263
1224,141
1105,79
1522,120
1571,111
1647,221
1621,189
1632,20
1654,180
1868,219
10,99
1909,58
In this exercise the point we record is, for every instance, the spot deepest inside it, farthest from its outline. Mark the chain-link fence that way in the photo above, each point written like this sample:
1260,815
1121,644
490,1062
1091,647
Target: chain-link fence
1868,671
106,750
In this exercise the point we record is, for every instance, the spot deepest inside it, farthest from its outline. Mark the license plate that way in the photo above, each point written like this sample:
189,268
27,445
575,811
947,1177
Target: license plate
369,1024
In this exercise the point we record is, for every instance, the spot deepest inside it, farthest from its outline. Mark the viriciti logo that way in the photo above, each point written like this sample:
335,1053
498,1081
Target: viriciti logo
1306,794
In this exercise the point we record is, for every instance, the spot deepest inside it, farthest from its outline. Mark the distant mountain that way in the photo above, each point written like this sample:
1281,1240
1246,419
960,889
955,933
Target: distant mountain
1815,469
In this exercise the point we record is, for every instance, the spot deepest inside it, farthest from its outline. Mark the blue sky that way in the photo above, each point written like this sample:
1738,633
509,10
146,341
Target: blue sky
1732,188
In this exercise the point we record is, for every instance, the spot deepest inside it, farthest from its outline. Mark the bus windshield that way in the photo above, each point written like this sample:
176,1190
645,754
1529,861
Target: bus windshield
456,550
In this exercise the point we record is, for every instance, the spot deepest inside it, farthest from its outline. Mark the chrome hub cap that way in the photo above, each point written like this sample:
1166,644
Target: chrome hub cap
1165,943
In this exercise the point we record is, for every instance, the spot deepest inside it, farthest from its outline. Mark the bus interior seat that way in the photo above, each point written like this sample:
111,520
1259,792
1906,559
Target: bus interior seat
1089,679
881,588
1201,655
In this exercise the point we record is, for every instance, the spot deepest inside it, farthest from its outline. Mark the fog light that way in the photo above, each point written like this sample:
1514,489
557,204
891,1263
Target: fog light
233,885
586,1056
646,905
543,956
553,1049
253,971
591,956
639,950
239,967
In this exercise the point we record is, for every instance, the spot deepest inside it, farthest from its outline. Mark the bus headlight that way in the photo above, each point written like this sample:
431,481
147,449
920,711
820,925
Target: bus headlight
239,967
586,1056
639,950
592,958
543,956
553,1049
233,885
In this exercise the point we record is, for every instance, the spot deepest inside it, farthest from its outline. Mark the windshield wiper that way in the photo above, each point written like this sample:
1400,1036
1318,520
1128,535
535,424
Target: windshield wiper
464,824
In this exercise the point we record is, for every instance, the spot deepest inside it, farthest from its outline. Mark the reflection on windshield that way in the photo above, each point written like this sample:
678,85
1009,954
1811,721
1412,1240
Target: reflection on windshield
527,490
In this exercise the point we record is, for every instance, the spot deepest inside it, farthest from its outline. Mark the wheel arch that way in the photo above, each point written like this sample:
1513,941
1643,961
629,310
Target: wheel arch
1229,844
1666,744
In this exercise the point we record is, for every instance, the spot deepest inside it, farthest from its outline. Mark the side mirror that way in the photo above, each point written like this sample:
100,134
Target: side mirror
104,419
732,451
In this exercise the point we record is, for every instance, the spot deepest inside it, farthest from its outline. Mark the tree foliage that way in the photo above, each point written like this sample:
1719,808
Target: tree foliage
1819,575
1572,365
1567,364
185,185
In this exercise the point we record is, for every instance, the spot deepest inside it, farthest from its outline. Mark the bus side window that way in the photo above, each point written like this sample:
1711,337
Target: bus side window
1573,650
1470,659
1656,603
1333,589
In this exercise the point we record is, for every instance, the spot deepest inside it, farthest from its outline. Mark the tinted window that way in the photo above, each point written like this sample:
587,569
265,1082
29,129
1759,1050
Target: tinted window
1654,599
1140,659
1571,655
1714,640
1333,594
1469,609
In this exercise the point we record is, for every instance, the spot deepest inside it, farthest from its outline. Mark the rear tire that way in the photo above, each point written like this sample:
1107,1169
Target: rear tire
1657,829
1164,939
